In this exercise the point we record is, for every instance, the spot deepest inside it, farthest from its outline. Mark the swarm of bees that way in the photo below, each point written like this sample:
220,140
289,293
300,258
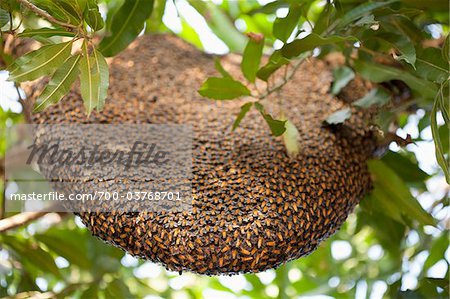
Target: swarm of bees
253,206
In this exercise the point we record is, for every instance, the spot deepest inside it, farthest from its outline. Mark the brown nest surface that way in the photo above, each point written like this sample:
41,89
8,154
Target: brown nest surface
254,207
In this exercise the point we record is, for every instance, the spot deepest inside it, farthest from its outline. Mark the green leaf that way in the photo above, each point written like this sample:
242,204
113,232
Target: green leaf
4,17
380,73
339,116
442,161
118,289
276,60
252,58
125,26
366,20
91,292
446,49
311,42
342,76
437,251
59,85
92,15
431,66
291,139
382,202
45,32
31,254
189,34
40,63
154,23
61,10
402,44
395,187
94,79
377,96
244,109
65,249
283,27
269,8
220,68
360,11
406,168
223,89
276,126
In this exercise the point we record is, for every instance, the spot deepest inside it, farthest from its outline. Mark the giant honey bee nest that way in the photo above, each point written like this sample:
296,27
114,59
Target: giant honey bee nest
254,208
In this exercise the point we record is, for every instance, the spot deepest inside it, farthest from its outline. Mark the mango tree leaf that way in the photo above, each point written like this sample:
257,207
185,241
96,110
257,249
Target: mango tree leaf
125,26
440,157
65,249
74,7
361,11
91,291
60,84
276,126
446,49
244,109
118,289
339,116
154,23
311,42
59,11
4,17
220,68
269,8
40,63
380,73
324,19
431,66
276,60
377,96
437,251
342,76
366,20
94,79
189,34
92,15
252,57
406,168
399,193
31,254
382,202
45,32
283,27
223,89
402,44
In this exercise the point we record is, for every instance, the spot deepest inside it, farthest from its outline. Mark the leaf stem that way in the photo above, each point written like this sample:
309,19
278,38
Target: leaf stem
282,83
45,15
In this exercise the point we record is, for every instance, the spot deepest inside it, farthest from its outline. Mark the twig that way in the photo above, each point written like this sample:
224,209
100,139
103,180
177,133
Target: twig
283,82
23,219
45,15
19,220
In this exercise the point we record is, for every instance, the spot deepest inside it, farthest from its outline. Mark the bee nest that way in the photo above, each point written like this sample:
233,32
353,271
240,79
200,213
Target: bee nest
253,206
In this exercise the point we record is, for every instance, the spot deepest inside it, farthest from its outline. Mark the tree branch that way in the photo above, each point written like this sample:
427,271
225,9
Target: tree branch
45,15
21,219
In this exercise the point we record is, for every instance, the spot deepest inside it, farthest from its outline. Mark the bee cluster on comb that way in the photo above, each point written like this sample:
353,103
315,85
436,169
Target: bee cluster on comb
253,206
